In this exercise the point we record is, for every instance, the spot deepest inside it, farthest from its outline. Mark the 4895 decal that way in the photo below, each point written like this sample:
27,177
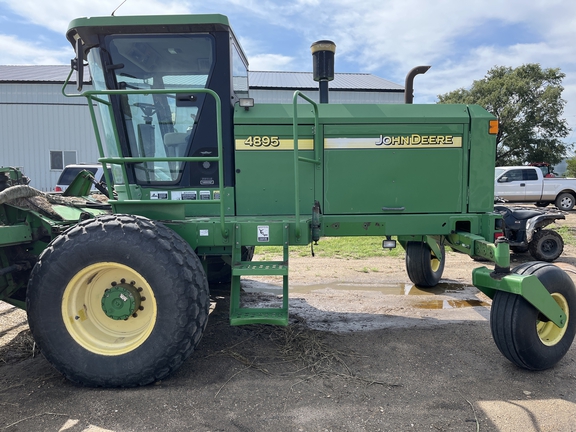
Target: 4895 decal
262,141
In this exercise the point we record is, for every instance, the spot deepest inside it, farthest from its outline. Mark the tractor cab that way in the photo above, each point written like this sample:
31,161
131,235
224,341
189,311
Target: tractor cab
166,87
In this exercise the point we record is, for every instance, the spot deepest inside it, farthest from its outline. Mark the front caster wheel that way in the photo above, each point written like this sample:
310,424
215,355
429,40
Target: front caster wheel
117,301
423,267
522,334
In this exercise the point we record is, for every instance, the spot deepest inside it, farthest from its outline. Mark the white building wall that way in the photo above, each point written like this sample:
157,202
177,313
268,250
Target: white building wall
354,97
37,118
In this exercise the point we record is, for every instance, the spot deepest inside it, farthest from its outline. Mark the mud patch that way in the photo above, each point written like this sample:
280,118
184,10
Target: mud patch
344,307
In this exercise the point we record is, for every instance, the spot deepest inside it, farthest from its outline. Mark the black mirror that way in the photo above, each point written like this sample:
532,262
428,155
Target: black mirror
503,179
78,64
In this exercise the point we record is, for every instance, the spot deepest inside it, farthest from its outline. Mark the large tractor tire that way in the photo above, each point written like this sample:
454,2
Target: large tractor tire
117,301
523,334
546,245
423,267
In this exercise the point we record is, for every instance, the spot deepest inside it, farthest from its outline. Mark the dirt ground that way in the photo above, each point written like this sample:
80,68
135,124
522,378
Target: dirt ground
365,351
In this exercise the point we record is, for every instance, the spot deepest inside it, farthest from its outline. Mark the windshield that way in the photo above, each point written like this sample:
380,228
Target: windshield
159,125
498,172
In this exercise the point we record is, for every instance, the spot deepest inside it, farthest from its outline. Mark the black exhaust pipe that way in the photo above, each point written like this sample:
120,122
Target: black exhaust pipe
409,84
323,65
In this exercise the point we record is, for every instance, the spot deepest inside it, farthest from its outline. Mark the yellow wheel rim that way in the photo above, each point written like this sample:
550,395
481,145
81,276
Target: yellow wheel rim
548,332
434,263
86,319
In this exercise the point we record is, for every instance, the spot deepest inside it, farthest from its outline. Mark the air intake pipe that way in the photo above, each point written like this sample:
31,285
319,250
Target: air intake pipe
323,65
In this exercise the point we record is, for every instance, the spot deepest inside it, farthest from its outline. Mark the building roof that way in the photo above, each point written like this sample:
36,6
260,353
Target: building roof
258,80
304,80
38,74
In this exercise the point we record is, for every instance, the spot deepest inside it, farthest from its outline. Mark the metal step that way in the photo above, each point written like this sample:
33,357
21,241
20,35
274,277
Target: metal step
240,315
274,316
260,268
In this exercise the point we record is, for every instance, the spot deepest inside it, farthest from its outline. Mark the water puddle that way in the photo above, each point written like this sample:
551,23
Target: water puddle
449,304
403,289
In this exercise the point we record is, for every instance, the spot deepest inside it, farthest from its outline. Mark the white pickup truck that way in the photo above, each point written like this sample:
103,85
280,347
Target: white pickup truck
527,184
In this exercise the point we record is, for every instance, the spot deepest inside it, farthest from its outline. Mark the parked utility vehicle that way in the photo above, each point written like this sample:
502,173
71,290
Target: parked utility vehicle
528,184
525,229
201,173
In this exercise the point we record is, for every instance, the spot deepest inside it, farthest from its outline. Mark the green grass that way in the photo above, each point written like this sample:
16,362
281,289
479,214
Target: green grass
567,234
362,247
336,247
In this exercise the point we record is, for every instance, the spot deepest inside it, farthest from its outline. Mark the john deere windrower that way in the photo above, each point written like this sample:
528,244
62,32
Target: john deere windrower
201,175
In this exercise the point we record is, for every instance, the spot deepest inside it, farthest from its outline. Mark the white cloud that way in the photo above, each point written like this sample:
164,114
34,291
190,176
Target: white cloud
15,52
55,16
271,62
462,40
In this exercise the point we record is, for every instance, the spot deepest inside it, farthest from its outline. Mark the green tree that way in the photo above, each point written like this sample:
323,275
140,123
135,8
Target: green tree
528,103
570,167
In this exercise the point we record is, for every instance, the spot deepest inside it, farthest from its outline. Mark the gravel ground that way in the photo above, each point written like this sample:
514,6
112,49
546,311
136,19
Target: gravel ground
365,351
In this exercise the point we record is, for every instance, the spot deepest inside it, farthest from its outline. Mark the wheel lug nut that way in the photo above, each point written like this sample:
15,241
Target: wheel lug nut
134,315
142,298
140,289
141,308
113,283
122,280
132,282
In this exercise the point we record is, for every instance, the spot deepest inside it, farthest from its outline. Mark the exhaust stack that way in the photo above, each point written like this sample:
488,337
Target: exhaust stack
409,83
323,65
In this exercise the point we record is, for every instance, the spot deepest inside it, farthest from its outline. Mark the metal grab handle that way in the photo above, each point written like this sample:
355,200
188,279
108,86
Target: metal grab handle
393,208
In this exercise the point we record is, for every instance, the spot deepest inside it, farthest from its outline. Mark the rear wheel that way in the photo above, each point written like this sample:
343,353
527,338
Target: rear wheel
522,334
117,301
423,267
565,201
546,245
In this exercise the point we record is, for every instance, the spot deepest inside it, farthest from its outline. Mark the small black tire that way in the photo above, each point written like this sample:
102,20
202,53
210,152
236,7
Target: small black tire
546,245
565,201
76,293
521,333
423,267
218,268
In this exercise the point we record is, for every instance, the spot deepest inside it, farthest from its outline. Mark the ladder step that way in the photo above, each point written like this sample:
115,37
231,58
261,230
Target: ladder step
274,316
256,268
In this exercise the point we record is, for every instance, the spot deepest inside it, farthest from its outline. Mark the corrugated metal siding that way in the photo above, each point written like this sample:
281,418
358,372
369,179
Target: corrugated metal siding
24,93
39,73
36,121
355,97
304,80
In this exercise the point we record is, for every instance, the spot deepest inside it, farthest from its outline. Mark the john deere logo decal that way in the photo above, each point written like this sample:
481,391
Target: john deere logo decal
395,141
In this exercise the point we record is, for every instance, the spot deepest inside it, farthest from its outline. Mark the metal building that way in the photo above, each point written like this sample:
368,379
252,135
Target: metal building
42,131
279,87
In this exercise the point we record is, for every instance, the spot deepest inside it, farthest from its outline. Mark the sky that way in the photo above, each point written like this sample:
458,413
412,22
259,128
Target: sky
461,40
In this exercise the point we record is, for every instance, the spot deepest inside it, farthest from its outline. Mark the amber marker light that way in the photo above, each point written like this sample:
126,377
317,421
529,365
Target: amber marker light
493,127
